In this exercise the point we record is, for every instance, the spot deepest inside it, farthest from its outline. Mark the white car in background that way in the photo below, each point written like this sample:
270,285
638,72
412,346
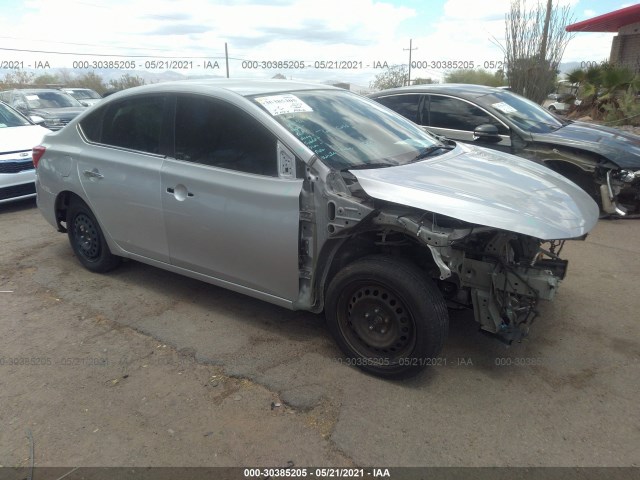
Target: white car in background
85,96
559,102
18,135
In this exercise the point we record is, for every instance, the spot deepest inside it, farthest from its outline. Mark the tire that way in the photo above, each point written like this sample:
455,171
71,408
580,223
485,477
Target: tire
87,240
552,109
386,316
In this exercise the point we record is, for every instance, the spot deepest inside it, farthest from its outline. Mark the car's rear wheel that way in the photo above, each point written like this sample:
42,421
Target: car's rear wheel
386,316
87,240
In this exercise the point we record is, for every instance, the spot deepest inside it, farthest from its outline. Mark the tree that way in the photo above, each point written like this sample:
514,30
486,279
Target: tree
424,81
477,77
126,81
67,76
395,76
607,92
279,76
90,80
46,79
16,79
535,42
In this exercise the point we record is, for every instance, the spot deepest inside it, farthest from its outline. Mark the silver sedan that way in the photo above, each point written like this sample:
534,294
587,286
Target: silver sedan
314,198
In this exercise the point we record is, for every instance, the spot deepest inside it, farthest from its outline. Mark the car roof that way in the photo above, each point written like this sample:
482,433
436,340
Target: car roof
241,87
465,90
34,90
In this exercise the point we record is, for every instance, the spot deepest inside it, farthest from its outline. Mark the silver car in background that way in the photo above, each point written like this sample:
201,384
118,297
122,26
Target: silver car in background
314,198
85,96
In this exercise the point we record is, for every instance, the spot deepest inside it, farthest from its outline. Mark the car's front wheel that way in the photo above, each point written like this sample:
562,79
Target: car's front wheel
87,240
386,316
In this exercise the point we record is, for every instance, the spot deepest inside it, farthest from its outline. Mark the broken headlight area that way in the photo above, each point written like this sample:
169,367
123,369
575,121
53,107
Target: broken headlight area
502,276
620,191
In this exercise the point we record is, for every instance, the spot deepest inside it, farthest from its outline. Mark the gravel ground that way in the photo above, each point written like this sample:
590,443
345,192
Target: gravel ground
142,367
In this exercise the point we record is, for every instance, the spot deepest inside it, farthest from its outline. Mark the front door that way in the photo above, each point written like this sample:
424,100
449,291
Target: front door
456,119
227,213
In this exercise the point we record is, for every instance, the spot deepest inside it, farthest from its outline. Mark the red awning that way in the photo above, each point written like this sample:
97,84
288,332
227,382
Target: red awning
609,22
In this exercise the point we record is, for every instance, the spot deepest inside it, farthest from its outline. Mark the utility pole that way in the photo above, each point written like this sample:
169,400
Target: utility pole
226,57
545,32
410,49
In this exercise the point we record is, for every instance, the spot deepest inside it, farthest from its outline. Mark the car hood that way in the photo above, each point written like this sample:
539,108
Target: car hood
622,148
66,113
15,139
488,188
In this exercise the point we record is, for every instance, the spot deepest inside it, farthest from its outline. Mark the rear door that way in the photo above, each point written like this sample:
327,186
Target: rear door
120,172
228,214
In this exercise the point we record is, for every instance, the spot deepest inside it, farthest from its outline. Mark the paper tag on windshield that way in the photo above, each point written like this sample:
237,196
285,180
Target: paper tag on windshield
281,104
31,97
504,107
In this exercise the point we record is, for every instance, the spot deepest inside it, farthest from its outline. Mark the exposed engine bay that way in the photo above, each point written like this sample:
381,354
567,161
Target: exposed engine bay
501,275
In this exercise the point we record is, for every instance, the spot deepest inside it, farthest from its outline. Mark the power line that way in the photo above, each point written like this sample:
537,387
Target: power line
112,55
85,44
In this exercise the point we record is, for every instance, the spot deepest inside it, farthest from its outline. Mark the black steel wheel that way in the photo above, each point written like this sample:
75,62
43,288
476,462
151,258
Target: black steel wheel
386,316
87,240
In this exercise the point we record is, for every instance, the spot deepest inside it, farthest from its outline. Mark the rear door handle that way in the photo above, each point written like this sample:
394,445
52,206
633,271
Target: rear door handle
93,173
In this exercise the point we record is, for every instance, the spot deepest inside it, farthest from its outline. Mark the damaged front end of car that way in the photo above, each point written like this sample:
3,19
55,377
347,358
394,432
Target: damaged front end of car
500,275
493,248
619,191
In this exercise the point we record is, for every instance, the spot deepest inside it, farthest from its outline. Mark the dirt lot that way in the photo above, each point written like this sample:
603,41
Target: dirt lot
143,367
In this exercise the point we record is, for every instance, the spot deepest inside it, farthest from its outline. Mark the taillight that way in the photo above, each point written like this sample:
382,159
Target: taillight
36,155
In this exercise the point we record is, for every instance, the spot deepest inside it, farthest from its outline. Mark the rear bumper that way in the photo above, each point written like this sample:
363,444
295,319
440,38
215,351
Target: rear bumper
46,201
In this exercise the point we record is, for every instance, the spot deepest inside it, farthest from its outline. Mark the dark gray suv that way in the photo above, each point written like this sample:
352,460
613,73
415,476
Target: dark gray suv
57,108
604,161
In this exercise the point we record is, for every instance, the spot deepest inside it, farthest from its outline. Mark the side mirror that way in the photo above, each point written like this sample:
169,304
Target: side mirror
486,133
37,120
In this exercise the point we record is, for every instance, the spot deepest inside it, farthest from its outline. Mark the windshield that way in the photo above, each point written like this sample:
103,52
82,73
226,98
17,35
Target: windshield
527,115
83,94
9,118
51,100
348,131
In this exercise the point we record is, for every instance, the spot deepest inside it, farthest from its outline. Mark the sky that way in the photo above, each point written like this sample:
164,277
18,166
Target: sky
360,36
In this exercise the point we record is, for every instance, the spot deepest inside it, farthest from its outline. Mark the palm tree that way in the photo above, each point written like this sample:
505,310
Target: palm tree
602,85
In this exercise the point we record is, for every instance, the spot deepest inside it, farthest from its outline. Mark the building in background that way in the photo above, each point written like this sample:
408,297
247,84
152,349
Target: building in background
625,48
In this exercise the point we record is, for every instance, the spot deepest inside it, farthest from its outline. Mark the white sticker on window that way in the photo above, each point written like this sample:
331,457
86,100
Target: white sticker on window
504,107
281,104
31,97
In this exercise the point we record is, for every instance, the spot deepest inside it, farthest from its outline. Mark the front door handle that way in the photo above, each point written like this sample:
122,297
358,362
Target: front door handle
180,192
93,173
